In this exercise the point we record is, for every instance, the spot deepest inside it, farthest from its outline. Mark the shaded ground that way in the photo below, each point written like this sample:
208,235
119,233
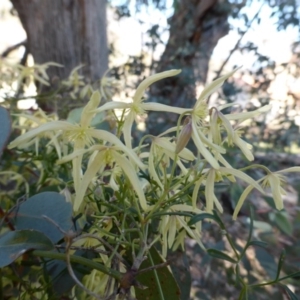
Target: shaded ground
215,279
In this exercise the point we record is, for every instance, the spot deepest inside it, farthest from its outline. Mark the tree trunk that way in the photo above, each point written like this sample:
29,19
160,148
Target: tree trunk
195,29
68,32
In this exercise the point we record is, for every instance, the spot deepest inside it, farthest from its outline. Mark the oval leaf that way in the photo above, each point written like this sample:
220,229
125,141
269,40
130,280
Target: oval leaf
167,281
51,204
281,220
14,243
5,127
267,262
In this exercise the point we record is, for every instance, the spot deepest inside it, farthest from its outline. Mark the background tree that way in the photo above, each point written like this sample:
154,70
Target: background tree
70,33
78,36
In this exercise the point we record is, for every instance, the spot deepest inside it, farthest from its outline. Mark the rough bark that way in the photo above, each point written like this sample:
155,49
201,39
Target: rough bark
69,32
195,29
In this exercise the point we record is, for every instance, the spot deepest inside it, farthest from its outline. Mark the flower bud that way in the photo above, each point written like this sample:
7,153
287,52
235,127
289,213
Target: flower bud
184,136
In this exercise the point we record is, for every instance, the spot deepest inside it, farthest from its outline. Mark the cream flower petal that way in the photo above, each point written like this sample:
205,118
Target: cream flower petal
162,107
51,126
183,169
243,176
274,182
191,232
244,147
172,231
109,137
213,86
227,125
87,112
87,178
172,129
289,170
187,208
127,126
150,80
80,152
185,153
131,174
112,105
223,161
241,201
208,142
209,190
196,191
203,150
77,153
217,204
151,167
247,115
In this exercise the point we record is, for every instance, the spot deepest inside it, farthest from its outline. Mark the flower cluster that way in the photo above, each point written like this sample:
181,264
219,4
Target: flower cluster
161,178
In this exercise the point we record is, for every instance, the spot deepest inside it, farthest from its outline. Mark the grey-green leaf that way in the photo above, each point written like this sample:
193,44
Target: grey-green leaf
51,204
5,128
14,243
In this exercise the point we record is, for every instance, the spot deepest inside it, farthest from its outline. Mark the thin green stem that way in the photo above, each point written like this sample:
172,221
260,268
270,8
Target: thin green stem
261,284
164,195
161,294
80,260
232,246
289,276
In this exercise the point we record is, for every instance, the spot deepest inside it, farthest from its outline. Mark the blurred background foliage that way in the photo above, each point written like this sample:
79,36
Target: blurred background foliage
204,39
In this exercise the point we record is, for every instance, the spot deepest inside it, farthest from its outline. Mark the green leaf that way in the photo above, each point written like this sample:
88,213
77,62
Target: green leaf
167,281
51,204
280,219
181,272
221,255
258,243
219,220
266,261
14,243
60,279
280,263
291,295
251,225
262,226
201,217
292,275
5,128
270,201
